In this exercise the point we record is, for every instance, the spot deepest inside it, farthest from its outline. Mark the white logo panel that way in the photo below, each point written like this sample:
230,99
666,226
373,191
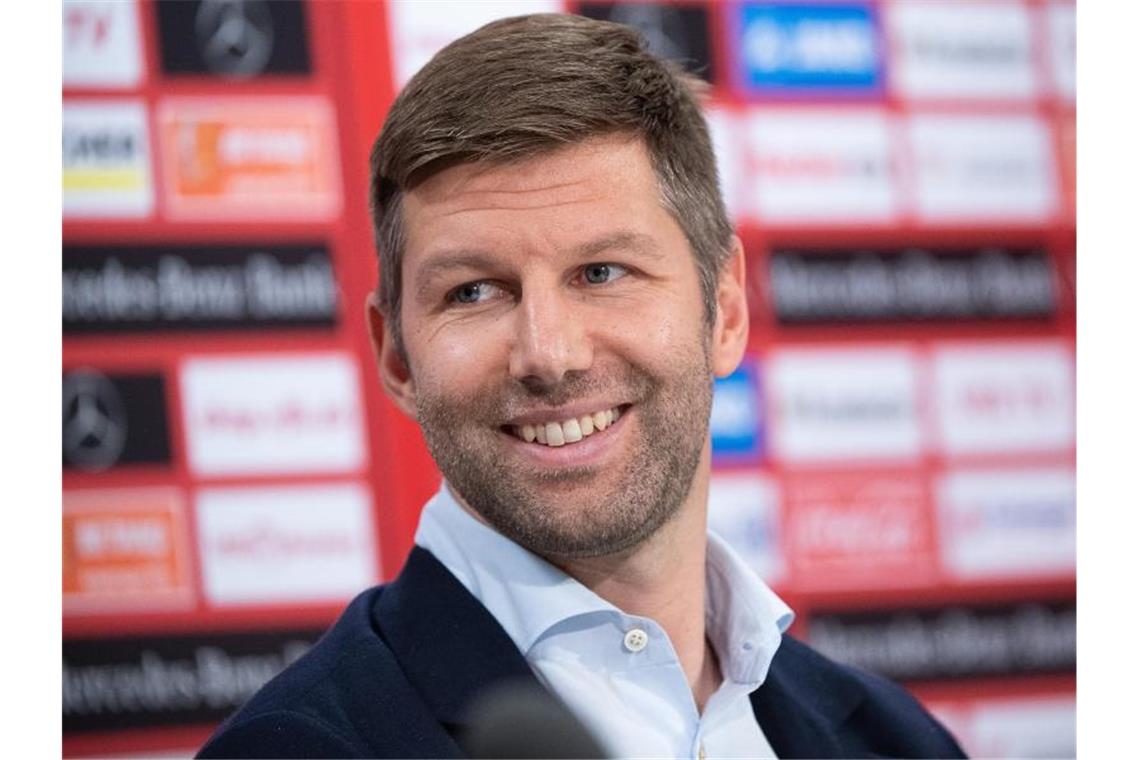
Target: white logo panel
1061,19
1042,727
744,510
1004,398
418,30
983,167
962,50
1023,726
101,45
289,544
1004,523
724,132
273,414
106,159
833,405
817,165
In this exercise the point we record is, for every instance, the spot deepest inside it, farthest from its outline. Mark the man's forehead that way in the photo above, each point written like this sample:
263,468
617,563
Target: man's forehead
566,174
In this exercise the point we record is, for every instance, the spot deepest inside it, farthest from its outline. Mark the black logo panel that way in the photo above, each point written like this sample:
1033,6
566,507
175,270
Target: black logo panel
129,682
909,285
133,289
953,642
676,32
235,39
111,420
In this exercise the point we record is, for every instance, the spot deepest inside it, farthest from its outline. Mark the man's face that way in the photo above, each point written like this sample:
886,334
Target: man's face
558,362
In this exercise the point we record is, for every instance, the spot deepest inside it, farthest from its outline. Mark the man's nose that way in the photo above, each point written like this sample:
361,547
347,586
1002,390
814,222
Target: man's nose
550,339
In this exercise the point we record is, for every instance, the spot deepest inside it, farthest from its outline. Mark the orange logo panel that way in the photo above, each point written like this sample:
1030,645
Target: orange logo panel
268,159
124,548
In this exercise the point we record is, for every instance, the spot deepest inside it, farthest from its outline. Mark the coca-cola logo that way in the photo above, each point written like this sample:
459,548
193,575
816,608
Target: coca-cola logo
847,531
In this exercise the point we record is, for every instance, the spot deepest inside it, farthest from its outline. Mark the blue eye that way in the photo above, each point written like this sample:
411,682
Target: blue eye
470,292
598,274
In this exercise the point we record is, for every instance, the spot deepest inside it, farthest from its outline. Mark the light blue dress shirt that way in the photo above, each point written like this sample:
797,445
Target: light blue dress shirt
619,673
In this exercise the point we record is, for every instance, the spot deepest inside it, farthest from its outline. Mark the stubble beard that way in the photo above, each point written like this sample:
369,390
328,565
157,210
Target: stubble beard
569,513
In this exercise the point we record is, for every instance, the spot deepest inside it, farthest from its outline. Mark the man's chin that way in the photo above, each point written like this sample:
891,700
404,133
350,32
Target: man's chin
569,521
564,483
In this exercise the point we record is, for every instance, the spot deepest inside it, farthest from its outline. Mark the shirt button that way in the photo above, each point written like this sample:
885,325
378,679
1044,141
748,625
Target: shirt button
635,640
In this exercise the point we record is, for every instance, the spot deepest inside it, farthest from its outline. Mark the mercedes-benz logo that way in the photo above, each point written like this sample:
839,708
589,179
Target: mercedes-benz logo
94,421
235,37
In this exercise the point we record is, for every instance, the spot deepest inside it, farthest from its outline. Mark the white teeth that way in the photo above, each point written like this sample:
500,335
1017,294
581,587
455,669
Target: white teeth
568,431
554,435
586,423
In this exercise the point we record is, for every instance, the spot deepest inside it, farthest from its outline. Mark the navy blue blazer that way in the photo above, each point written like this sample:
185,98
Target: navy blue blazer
395,674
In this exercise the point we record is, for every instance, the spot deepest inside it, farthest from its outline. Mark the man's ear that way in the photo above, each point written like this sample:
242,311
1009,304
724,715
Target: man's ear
730,334
395,377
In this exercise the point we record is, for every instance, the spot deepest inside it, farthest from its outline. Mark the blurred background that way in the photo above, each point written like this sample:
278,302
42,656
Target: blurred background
895,456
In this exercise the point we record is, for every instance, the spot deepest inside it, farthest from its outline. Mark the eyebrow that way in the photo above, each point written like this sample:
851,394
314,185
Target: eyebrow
634,242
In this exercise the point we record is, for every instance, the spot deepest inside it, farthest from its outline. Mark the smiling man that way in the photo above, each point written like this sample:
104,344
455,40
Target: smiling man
560,286
554,350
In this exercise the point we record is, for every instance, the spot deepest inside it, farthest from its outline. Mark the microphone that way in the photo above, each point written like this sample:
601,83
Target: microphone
519,719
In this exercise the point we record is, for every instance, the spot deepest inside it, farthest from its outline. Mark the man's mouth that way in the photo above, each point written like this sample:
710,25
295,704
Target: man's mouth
562,432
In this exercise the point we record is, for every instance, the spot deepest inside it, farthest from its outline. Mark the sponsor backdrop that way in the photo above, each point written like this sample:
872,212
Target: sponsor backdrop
895,456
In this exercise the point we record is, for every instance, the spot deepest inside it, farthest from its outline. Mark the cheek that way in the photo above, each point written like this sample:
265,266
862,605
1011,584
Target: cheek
457,361
667,321
658,340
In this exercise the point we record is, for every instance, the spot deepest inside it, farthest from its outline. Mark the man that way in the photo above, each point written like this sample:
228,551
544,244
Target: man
559,287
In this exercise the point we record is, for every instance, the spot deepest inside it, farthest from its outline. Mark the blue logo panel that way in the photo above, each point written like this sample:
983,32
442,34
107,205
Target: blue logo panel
735,424
803,48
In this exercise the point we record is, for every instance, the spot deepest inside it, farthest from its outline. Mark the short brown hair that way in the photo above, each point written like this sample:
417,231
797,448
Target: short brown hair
520,87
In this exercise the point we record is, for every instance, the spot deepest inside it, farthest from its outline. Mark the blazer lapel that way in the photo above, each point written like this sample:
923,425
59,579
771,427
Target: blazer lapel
451,649
801,712
449,646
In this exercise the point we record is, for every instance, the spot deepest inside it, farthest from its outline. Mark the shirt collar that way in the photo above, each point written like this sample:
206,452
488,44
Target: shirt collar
524,592
744,619
528,596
